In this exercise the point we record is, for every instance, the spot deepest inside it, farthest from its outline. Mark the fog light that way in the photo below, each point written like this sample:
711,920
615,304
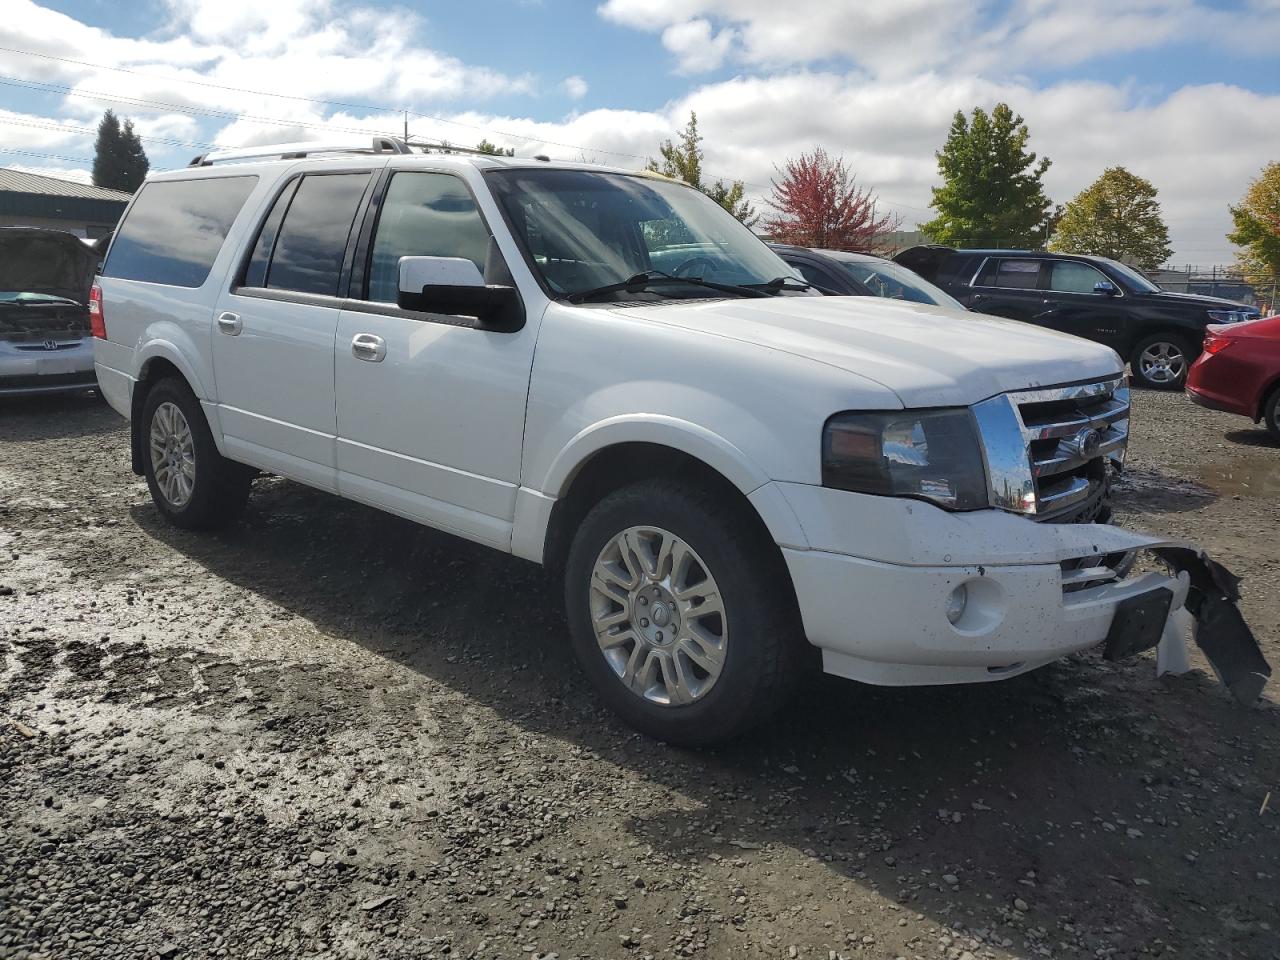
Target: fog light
956,603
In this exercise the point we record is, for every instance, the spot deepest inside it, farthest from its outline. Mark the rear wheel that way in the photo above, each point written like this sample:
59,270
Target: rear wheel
1271,413
681,616
1161,361
192,484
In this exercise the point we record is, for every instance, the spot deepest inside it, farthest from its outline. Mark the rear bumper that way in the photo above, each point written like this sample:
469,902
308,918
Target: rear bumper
30,369
1216,401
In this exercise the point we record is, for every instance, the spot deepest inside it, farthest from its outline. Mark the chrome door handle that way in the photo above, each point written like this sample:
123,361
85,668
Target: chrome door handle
230,324
365,346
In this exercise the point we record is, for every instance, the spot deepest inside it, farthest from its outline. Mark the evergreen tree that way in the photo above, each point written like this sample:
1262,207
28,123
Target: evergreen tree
1118,216
119,161
683,161
991,189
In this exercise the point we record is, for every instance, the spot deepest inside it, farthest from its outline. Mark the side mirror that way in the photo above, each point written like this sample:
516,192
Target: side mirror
1105,287
455,286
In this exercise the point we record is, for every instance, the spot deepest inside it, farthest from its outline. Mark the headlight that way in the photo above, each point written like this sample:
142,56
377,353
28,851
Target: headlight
933,455
1230,316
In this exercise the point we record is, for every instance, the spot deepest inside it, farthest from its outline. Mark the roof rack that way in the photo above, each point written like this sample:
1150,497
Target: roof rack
296,151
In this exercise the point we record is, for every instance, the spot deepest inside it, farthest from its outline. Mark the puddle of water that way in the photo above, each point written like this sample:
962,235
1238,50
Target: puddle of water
1232,478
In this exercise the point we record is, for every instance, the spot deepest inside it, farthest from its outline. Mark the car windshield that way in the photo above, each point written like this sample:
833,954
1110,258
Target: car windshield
887,279
22,297
1131,276
582,231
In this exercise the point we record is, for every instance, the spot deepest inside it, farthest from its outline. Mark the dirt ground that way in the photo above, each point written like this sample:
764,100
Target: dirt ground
331,733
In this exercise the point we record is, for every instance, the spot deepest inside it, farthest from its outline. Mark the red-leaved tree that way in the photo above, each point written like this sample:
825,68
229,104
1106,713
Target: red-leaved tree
819,204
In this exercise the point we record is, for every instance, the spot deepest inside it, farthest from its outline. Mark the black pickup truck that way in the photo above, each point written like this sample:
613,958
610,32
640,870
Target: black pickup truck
1158,332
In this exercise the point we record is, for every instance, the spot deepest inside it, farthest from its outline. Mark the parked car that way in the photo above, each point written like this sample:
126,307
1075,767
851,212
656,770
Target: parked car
719,467
1239,371
842,274
1157,331
45,344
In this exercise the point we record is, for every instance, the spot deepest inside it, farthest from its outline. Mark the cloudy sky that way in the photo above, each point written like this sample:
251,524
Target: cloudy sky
1183,92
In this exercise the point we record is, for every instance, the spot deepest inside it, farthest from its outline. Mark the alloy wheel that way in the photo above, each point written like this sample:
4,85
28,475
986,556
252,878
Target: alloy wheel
1162,362
173,455
658,616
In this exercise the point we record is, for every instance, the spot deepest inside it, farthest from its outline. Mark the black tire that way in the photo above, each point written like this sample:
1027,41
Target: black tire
1174,342
1271,414
765,647
220,488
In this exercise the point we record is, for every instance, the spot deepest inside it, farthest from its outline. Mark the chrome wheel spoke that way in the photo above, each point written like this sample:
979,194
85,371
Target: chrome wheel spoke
173,454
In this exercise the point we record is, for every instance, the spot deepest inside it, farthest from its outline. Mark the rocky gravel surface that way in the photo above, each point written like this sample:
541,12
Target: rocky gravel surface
330,733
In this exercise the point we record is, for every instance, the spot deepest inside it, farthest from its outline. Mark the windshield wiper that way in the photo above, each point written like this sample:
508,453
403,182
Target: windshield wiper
651,278
778,284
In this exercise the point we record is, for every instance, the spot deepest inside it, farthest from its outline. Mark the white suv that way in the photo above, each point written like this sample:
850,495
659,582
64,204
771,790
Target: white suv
604,372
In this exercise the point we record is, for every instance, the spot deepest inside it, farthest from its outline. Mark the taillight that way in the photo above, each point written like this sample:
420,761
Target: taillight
1215,344
97,323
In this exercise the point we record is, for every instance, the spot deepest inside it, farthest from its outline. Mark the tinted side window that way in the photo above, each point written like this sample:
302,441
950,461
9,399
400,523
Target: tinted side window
1068,276
424,215
313,238
813,274
255,273
1012,274
175,229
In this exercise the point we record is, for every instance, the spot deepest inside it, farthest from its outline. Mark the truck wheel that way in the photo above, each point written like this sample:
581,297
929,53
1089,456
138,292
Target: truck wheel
1161,361
192,484
1271,414
681,614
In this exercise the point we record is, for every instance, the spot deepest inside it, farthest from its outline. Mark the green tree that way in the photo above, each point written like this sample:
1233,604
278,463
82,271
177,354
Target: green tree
991,189
1117,216
484,146
1257,227
682,160
119,162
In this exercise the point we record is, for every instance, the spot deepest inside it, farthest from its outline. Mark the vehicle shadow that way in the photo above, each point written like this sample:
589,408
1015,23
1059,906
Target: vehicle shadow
57,417
1258,437
1094,792
1143,490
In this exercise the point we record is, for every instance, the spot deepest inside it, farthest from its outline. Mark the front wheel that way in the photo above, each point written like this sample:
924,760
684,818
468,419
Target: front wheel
1271,414
681,613
192,484
1161,361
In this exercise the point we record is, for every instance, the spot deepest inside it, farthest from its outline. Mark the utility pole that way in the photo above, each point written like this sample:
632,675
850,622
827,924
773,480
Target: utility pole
406,126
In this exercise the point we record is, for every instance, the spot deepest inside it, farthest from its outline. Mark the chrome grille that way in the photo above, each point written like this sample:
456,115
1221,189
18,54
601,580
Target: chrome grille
1050,450
1072,435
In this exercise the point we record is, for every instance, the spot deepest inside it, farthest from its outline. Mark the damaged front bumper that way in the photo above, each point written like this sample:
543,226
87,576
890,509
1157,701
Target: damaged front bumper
969,597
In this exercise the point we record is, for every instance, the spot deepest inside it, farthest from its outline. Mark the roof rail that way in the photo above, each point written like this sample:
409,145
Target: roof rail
296,151
443,147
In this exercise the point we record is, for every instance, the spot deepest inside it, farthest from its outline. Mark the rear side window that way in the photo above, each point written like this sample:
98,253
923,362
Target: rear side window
175,229
305,253
1011,274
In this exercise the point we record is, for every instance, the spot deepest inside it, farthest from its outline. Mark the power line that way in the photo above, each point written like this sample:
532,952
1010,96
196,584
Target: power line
91,132
45,156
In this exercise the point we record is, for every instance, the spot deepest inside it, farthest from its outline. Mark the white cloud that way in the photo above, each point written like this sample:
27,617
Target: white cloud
697,47
576,87
895,38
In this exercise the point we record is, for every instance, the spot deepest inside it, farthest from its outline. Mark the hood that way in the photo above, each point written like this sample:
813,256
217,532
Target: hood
53,262
929,356
1196,300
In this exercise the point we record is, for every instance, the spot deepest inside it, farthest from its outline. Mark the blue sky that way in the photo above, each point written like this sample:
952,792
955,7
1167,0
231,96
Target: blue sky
1184,92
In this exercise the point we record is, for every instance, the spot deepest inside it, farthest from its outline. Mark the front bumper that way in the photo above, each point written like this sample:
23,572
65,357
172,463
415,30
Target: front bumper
35,368
875,577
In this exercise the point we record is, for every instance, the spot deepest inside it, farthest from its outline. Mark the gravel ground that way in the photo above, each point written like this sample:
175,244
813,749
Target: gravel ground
330,733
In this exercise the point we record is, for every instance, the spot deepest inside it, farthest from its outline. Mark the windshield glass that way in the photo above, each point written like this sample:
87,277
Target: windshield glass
1131,276
887,279
583,230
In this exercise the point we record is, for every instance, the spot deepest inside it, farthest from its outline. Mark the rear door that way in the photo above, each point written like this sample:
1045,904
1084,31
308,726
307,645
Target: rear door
1073,306
431,416
1008,287
274,329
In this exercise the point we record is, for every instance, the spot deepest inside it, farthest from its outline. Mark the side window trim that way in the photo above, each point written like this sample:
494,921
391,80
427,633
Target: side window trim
973,281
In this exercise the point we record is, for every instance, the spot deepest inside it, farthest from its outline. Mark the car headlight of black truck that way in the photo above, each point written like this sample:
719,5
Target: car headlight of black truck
933,455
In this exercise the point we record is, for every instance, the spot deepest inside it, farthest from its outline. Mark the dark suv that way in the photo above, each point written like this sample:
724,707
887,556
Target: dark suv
1158,332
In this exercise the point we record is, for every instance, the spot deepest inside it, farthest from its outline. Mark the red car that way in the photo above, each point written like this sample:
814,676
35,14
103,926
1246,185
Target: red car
1239,371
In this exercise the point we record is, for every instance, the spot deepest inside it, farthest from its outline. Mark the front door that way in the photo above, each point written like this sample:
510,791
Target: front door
1073,306
273,332
430,409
